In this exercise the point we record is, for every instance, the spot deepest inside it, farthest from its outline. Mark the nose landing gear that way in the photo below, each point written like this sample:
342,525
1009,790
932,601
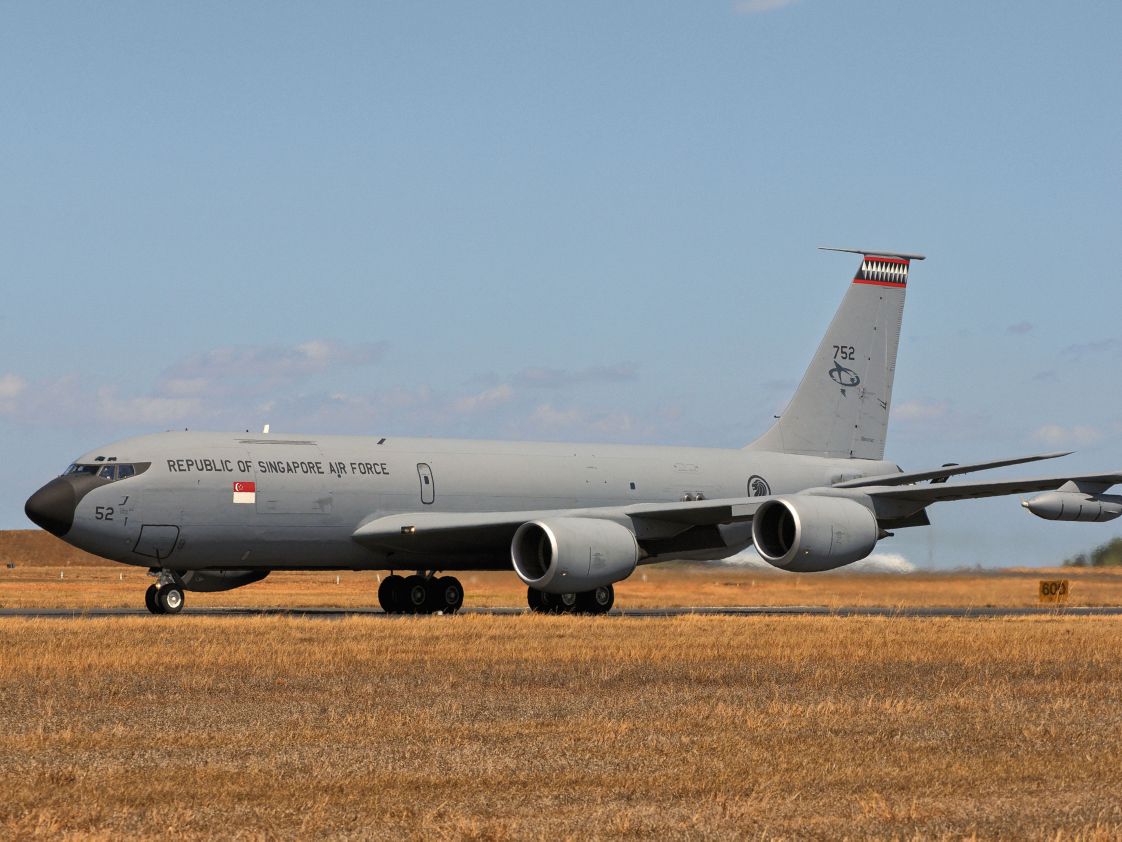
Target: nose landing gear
420,594
166,597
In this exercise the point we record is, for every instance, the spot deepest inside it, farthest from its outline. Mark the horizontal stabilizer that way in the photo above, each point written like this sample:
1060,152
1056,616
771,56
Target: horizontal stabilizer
946,471
874,253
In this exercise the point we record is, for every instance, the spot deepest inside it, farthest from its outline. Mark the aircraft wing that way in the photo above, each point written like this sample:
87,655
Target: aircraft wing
936,493
459,532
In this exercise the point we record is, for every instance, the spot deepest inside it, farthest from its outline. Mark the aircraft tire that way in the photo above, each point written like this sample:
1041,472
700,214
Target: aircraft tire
170,599
555,603
534,600
597,601
567,603
448,594
150,600
389,592
549,602
415,595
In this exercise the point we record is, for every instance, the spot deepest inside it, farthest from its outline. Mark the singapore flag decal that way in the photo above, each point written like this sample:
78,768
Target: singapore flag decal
245,492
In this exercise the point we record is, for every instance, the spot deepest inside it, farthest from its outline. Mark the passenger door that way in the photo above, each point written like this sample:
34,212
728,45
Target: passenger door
428,487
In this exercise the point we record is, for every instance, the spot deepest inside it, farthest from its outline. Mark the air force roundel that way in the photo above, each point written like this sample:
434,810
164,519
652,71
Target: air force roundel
758,487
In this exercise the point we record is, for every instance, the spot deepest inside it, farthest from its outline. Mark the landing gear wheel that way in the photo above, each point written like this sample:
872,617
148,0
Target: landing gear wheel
388,592
414,595
566,603
549,602
170,599
598,601
150,600
534,600
447,594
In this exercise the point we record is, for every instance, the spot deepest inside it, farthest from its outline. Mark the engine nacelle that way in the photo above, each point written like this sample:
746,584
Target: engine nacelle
573,554
210,581
807,534
1075,506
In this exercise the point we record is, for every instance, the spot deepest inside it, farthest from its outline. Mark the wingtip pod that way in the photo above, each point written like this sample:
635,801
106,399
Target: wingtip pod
1079,501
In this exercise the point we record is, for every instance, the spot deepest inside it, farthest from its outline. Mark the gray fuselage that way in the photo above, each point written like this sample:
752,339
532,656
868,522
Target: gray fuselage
220,500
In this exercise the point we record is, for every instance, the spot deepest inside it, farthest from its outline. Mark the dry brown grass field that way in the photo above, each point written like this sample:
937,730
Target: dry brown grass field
511,727
561,727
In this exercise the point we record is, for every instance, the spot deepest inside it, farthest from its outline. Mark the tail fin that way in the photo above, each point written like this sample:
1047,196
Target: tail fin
841,406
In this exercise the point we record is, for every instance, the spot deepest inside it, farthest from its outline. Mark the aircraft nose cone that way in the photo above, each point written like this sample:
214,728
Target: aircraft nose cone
52,506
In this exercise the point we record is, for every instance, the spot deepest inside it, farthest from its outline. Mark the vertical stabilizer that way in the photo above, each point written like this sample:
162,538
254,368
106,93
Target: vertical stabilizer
841,406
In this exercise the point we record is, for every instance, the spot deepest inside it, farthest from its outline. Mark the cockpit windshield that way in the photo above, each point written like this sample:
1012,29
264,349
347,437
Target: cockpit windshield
107,470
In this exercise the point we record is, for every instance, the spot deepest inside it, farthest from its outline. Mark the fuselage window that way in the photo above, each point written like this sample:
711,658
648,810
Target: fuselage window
108,472
125,471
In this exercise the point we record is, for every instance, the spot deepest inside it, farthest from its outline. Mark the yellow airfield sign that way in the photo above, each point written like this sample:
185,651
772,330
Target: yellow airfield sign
1053,590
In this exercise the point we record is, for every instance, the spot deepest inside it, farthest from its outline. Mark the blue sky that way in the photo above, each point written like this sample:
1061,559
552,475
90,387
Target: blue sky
571,221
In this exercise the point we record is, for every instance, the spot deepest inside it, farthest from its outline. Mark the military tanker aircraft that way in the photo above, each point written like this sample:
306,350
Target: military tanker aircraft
215,511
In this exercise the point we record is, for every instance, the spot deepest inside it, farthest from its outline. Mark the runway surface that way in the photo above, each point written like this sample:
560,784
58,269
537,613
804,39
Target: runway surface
715,611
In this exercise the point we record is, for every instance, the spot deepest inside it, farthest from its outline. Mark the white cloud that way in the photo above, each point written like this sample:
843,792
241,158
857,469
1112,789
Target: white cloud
551,378
143,409
874,563
316,351
1097,348
1079,434
11,386
272,363
546,415
919,410
483,400
185,386
548,418
753,7
882,563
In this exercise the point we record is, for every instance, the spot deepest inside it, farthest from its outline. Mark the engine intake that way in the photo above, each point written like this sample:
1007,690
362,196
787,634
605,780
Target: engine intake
810,534
573,554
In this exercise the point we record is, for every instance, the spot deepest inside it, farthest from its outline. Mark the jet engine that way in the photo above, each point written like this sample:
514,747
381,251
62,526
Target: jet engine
807,534
1075,506
218,580
573,554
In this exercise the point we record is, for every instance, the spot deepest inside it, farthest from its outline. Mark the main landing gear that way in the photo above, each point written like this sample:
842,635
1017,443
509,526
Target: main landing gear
598,601
166,597
419,594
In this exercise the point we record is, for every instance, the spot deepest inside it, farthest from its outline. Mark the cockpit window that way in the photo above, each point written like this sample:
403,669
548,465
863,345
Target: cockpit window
107,470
